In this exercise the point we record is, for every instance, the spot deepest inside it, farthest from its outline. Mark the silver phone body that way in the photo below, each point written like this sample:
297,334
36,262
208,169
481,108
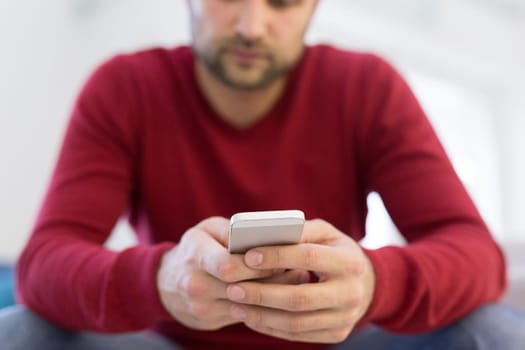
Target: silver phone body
263,228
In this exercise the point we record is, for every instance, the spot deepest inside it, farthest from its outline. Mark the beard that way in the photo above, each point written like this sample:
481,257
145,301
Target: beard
218,62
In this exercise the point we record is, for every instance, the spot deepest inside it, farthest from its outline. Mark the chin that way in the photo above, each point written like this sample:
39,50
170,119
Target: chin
245,81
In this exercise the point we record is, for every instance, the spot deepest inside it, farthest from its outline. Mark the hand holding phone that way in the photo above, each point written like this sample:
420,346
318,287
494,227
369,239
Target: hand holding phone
263,228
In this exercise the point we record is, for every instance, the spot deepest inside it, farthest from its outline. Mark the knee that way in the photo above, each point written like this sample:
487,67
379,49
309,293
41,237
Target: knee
495,326
20,328
19,317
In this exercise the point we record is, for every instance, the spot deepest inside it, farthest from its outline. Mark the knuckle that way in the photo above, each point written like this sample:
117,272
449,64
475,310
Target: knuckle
318,221
355,297
353,266
206,222
349,318
212,219
199,309
323,224
359,296
346,299
226,271
276,257
255,296
350,299
212,222
299,301
295,324
311,256
190,235
256,319
359,266
339,335
193,287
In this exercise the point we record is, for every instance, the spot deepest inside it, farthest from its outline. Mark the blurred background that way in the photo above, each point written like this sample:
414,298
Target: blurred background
465,60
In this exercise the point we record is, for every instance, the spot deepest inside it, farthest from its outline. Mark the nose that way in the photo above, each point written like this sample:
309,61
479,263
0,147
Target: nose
252,21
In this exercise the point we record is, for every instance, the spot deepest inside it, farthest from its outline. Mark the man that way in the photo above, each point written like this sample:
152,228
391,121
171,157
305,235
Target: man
250,119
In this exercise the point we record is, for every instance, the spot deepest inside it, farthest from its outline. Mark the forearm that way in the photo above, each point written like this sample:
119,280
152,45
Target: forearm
436,280
80,285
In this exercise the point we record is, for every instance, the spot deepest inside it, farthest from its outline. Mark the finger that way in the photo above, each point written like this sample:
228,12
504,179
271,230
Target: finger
214,258
302,297
200,284
331,336
217,227
229,268
319,231
212,310
209,315
307,256
293,322
288,277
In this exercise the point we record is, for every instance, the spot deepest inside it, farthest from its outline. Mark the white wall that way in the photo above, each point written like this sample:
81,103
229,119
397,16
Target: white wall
510,120
465,60
48,48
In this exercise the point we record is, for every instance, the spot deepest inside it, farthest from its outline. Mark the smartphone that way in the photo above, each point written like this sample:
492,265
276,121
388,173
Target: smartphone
263,228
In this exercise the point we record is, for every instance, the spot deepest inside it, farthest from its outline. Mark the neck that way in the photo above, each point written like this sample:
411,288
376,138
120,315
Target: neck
240,108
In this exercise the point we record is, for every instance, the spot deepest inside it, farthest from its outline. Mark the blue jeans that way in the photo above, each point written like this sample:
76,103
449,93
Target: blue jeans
492,327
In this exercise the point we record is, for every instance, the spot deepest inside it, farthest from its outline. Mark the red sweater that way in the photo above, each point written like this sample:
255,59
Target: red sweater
143,140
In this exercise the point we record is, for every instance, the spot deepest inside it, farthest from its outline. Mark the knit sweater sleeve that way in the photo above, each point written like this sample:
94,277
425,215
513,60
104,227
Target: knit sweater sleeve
451,264
64,273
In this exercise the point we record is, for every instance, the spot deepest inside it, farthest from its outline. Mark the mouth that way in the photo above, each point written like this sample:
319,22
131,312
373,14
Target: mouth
247,56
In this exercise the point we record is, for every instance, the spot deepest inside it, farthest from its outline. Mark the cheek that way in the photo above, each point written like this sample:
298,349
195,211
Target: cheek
288,33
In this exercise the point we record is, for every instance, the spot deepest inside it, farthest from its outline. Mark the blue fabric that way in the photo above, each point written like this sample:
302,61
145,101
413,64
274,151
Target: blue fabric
7,297
21,329
492,327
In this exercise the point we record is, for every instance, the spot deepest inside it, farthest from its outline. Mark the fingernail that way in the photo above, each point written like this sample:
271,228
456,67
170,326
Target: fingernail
238,312
254,258
236,293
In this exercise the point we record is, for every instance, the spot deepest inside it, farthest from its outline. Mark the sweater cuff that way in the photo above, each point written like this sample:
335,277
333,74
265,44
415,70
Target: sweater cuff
135,278
392,274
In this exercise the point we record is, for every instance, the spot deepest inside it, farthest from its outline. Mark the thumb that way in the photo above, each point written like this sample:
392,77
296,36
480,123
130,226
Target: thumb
217,227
